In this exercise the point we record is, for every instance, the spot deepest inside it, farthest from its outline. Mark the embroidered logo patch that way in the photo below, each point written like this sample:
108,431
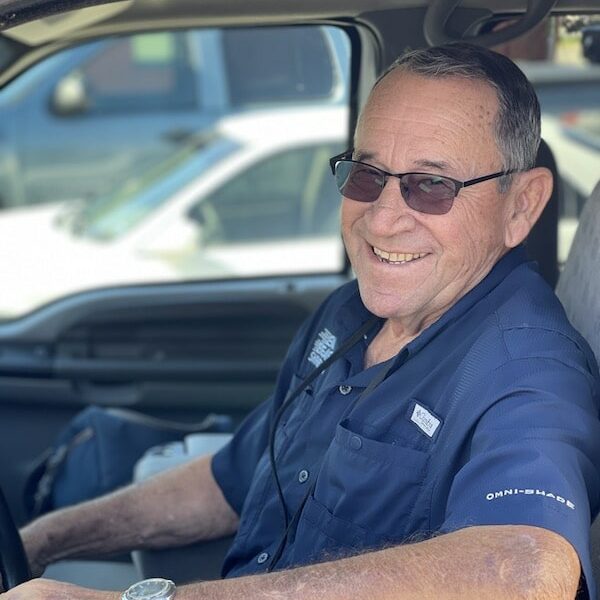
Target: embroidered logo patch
322,348
424,420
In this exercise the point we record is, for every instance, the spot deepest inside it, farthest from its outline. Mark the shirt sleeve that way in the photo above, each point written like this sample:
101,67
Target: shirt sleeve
534,458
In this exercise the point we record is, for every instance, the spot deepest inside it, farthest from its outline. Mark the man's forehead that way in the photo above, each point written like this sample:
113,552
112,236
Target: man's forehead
450,109
398,88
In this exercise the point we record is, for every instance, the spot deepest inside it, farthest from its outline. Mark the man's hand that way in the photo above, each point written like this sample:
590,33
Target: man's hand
46,589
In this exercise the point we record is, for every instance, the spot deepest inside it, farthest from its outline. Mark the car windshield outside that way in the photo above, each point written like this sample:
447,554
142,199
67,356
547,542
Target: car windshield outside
567,82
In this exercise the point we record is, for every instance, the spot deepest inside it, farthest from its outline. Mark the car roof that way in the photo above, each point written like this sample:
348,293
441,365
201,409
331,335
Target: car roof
269,127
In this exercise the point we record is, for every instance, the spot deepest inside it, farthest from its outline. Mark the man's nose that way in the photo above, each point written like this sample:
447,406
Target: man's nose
390,214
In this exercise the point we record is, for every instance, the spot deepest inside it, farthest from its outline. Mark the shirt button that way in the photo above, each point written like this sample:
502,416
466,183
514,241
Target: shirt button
345,389
355,443
263,557
303,476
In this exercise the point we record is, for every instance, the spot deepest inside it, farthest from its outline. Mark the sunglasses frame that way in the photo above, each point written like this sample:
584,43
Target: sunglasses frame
458,185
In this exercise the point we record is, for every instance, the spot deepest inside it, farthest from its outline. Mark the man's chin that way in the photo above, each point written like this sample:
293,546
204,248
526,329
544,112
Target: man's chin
385,305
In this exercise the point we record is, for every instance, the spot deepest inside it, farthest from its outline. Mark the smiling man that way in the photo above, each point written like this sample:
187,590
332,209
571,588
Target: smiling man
412,263
434,429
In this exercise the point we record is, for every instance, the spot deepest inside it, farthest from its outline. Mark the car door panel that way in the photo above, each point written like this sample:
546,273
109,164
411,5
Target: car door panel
174,352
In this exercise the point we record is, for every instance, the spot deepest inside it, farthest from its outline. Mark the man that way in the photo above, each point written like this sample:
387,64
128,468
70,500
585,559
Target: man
450,445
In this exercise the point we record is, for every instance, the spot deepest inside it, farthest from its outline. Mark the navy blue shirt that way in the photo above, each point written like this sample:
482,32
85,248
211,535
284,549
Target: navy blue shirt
488,417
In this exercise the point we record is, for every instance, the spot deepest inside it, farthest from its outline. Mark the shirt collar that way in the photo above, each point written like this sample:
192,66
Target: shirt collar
353,313
510,261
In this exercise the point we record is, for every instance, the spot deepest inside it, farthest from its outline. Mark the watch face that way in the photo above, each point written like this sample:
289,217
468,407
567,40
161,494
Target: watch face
151,589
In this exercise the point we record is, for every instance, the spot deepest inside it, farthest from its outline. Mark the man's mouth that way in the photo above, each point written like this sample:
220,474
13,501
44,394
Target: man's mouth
397,258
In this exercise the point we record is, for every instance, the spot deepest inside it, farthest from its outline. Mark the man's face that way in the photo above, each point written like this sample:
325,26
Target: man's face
440,126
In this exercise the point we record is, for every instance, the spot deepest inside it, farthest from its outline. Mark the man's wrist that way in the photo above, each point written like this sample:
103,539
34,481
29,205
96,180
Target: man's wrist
37,547
155,588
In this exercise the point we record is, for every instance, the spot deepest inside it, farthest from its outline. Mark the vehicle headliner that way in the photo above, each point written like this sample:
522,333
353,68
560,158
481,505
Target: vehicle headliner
33,29
40,21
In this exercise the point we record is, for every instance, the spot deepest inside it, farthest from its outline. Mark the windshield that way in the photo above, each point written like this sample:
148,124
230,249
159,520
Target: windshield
113,215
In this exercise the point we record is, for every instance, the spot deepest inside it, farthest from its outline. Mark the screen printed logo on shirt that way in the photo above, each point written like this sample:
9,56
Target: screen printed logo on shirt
529,492
322,348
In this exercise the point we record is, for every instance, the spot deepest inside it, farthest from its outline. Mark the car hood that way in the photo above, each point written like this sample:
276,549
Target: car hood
54,262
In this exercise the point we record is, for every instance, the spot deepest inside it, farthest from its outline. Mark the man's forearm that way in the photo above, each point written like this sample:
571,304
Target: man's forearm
174,508
478,562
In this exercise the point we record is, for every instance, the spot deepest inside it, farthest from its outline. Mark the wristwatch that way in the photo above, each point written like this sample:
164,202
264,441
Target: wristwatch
151,589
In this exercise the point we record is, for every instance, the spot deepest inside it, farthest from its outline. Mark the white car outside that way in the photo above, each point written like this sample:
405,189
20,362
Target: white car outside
166,244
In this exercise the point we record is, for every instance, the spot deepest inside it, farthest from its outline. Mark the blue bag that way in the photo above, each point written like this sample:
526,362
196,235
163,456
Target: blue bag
97,451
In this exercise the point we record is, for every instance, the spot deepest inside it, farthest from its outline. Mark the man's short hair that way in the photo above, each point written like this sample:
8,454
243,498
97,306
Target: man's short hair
517,127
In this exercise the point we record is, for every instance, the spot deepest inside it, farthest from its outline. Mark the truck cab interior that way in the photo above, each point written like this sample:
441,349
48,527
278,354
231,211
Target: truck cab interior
163,321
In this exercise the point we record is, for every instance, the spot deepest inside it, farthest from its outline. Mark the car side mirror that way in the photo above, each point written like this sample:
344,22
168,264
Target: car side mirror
204,216
195,214
70,95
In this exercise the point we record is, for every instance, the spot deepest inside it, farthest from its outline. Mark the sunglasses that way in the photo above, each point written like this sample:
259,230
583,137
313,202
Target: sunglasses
423,192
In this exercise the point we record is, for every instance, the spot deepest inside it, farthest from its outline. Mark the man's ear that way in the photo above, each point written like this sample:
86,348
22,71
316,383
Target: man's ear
528,197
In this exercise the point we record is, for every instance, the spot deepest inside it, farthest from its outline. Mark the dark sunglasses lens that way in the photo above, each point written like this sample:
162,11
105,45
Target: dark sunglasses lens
358,182
428,193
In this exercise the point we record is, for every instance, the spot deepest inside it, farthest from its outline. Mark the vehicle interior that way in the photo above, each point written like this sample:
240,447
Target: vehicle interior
175,341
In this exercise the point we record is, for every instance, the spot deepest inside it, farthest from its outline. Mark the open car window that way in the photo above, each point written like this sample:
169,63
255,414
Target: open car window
140,158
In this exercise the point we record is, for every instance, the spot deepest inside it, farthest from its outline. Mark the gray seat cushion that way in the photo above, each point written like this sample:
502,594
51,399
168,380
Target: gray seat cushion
579,284
579,290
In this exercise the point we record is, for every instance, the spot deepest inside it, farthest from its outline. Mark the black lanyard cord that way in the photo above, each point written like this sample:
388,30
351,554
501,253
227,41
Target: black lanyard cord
351,341
379,377
292,524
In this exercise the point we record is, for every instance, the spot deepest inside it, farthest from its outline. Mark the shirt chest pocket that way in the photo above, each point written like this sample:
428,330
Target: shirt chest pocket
367,489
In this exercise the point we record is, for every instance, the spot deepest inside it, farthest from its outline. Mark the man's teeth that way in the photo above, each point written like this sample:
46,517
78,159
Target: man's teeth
397,257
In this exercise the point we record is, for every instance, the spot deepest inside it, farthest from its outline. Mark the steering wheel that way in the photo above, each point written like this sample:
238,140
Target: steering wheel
14,566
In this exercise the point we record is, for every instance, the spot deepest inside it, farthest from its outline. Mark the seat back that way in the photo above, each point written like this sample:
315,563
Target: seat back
579,290
542,241
579,283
